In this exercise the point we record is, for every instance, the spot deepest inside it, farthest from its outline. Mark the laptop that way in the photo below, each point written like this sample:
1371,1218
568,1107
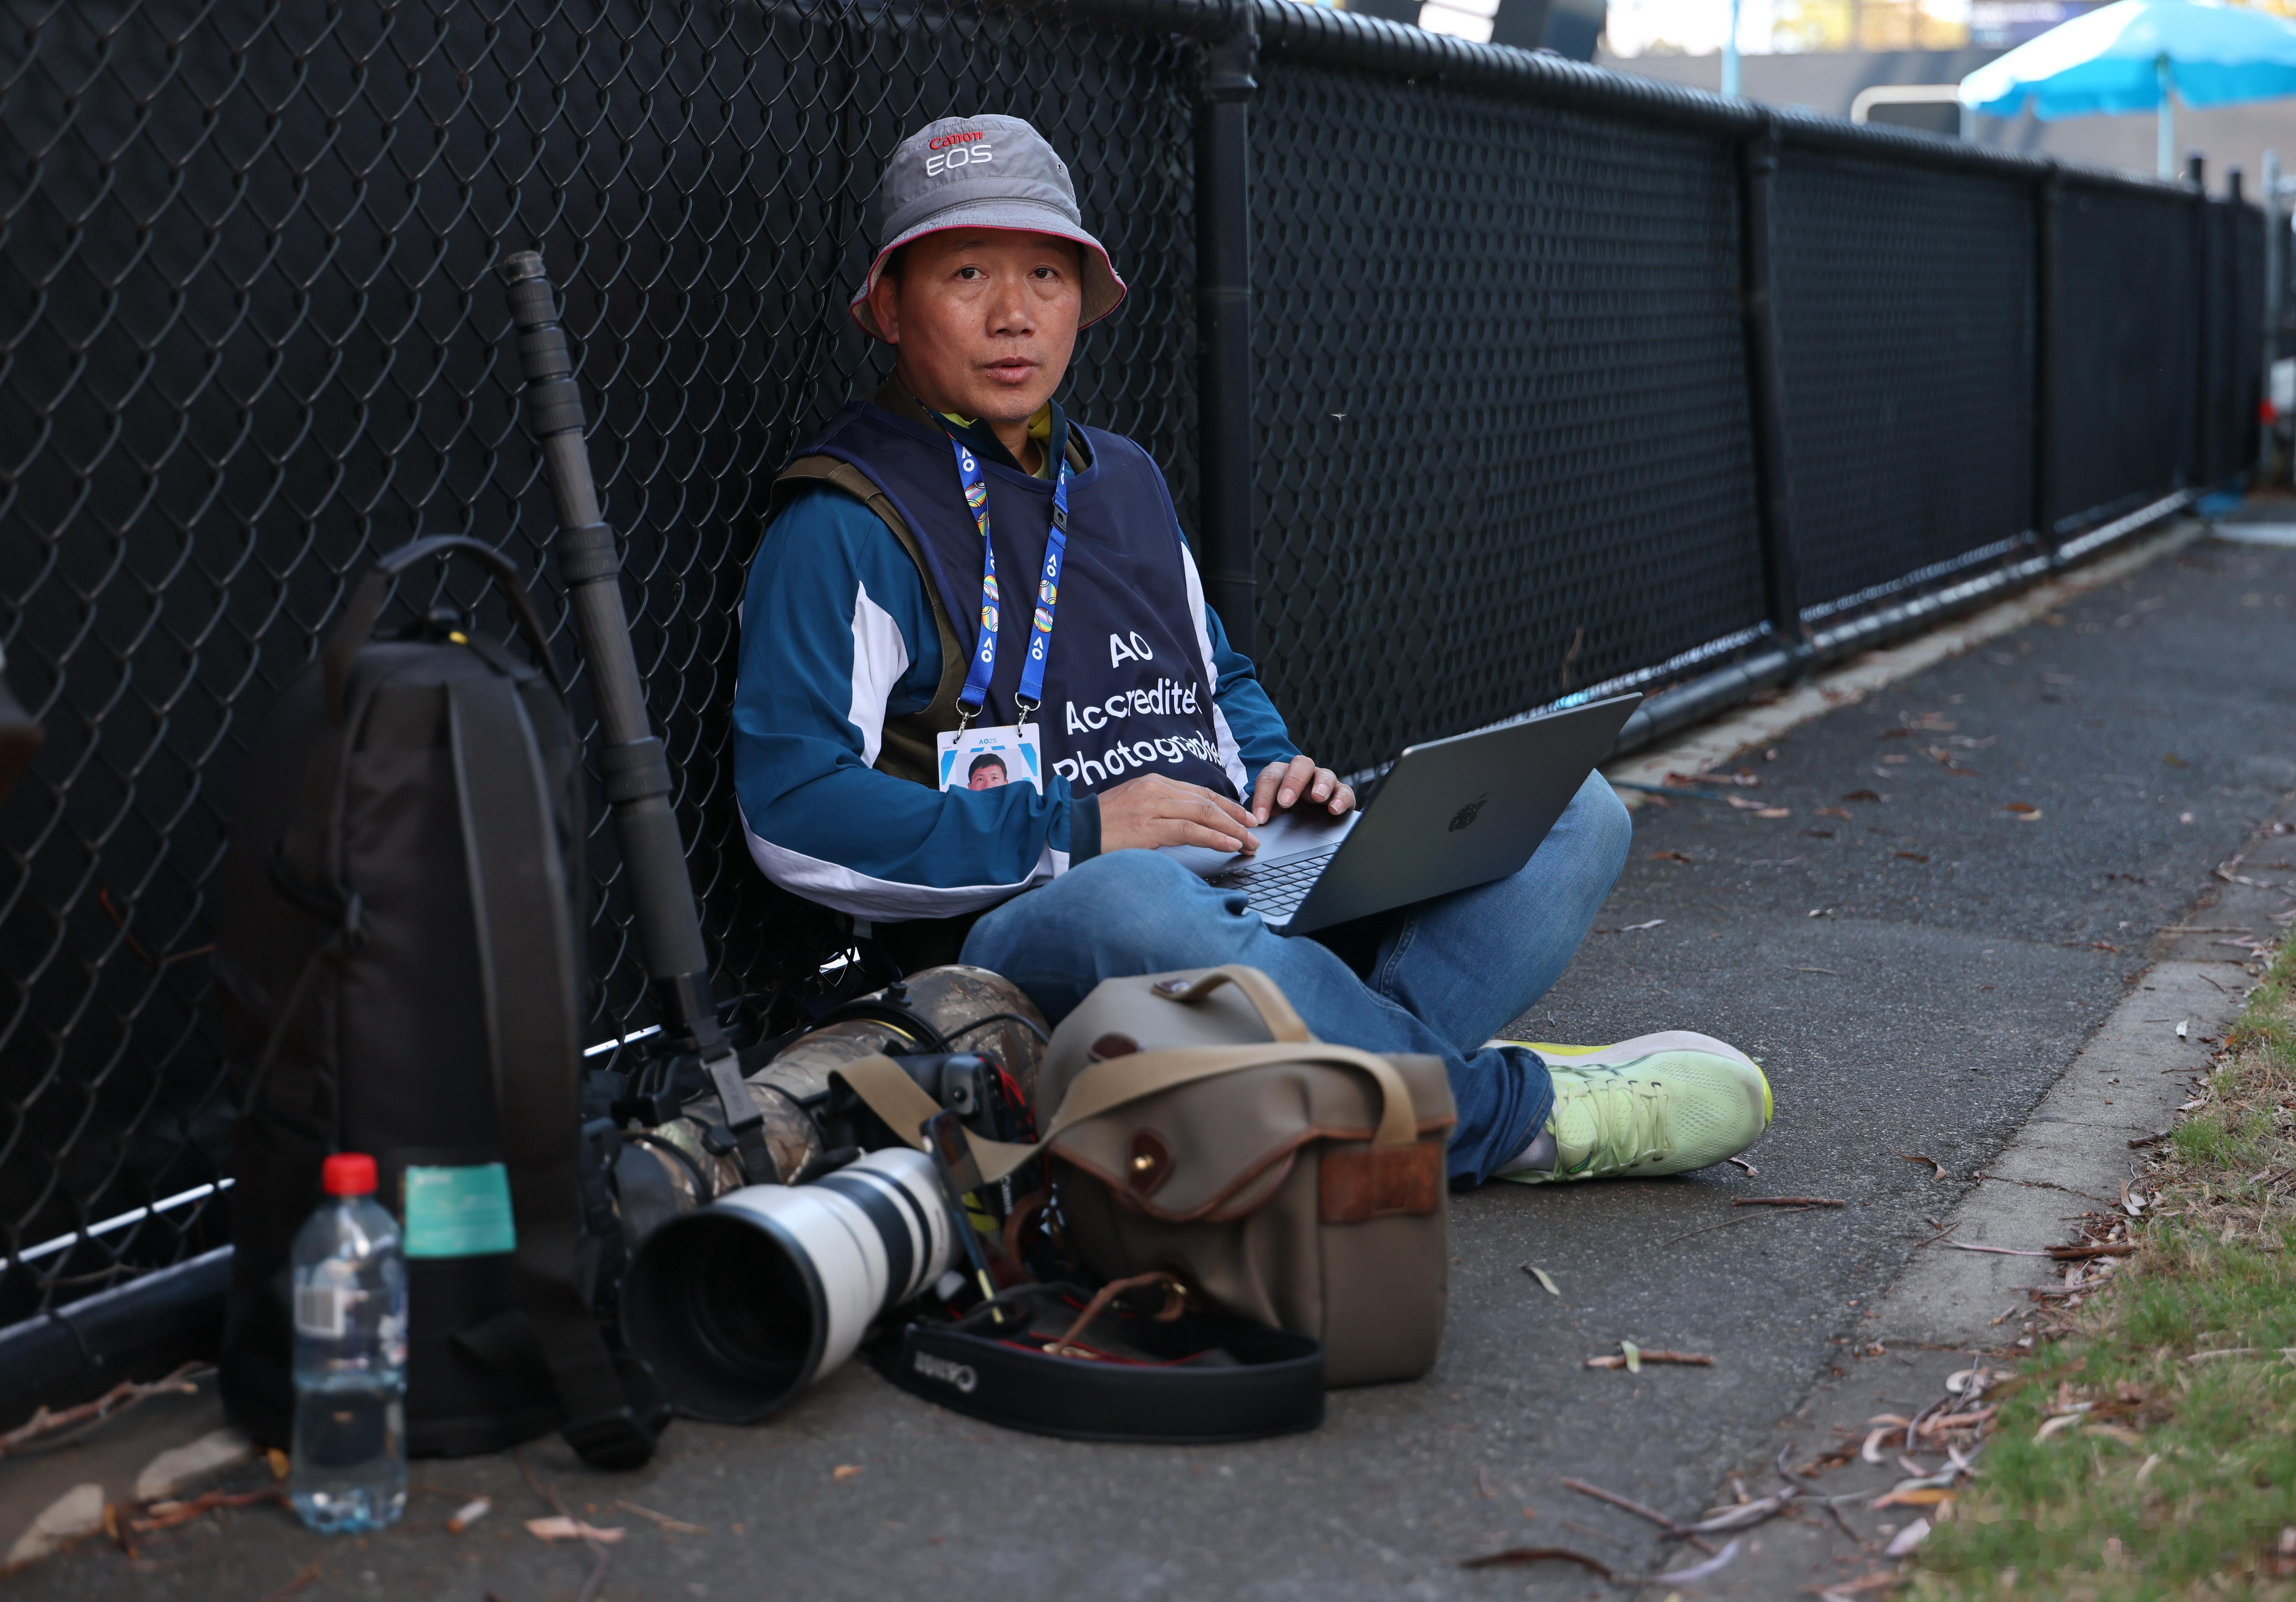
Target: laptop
1450,814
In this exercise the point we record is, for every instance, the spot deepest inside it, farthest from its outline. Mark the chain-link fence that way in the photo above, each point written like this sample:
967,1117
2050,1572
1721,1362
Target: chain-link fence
1505,447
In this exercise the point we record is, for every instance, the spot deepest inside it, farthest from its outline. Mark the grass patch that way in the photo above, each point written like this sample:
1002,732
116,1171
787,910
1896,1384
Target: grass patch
2177,1476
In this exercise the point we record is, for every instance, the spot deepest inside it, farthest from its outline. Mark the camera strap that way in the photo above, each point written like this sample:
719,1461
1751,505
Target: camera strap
1198,1378
523,923
1108,1086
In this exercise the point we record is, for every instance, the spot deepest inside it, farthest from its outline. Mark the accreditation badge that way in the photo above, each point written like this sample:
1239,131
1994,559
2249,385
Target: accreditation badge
989,758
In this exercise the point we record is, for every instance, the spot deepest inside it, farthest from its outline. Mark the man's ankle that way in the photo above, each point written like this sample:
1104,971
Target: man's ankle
1538,1157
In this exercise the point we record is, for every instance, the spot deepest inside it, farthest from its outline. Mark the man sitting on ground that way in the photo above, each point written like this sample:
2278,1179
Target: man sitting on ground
874,635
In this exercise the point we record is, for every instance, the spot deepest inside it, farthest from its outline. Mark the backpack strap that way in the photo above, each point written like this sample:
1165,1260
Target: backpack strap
906,748
526,941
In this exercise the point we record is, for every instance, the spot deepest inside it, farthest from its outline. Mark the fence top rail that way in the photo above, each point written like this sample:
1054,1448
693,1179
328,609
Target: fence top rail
1326,36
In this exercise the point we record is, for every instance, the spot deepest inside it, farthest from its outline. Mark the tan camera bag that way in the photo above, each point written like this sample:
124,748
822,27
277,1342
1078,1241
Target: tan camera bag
1197,1127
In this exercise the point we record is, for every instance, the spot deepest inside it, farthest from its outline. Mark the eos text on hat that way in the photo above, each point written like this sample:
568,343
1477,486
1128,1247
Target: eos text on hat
950,151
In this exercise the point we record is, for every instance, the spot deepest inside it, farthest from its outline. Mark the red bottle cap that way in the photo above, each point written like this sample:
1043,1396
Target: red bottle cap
348,1174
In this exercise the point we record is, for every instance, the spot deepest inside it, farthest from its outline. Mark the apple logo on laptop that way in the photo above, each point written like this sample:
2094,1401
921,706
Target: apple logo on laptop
1466,815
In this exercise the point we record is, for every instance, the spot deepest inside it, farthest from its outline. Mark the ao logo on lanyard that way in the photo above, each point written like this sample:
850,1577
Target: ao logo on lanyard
992,756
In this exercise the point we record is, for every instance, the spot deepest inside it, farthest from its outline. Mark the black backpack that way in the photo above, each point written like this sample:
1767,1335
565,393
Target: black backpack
401,915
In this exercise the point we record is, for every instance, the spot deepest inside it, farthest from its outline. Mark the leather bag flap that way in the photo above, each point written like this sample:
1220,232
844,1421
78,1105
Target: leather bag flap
1217,1148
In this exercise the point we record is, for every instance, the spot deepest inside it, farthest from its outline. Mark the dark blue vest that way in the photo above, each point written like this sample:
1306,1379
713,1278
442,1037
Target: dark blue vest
1125,689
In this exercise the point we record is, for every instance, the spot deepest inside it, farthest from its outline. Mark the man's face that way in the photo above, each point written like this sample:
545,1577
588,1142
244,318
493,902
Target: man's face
987,775
984,322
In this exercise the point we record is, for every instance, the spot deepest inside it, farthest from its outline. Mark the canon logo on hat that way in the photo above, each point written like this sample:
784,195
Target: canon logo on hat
953,150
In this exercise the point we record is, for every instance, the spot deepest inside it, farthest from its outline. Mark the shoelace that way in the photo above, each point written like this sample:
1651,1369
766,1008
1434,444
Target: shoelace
1629,1120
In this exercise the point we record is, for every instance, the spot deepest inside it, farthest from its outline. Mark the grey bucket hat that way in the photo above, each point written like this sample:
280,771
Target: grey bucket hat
983,172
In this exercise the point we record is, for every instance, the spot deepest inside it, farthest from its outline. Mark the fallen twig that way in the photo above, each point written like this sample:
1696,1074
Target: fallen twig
1840,1521
1572,1524
1743,1217
1679,1531
1699,1571
87,1415
1958,1421
1519,1555
1746,1513
678,1527
1914,1425
1995,1251
167,1516
2076,1254
1779,1463
1697,1359
549,1493
1786,1202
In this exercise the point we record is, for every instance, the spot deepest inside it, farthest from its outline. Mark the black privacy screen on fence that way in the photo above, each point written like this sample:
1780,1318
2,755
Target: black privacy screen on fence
1508,430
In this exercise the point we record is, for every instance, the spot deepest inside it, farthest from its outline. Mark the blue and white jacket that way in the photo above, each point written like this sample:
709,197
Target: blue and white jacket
839,634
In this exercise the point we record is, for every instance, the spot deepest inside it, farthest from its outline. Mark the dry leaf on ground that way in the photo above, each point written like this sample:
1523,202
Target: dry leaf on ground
559,1527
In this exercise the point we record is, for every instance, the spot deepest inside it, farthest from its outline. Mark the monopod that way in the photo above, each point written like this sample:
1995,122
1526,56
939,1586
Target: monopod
630,760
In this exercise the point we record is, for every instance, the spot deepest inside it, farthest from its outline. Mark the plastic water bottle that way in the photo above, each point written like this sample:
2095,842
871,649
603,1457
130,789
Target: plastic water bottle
350,1456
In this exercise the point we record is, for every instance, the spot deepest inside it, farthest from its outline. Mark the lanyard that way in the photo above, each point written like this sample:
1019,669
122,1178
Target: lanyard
977,678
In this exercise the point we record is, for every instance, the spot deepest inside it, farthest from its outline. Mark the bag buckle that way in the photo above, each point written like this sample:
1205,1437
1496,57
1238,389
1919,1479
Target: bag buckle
618,1440
624,1436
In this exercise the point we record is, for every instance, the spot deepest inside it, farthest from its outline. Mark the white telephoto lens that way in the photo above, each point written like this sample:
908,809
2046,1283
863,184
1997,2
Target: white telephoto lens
740,1305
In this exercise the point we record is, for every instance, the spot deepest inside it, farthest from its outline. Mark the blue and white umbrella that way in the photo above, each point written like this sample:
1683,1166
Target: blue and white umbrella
2142,55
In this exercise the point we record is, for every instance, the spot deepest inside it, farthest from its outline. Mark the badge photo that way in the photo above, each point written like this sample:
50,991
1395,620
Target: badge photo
989,758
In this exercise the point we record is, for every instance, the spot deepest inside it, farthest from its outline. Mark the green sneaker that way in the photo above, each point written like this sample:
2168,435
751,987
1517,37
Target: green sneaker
1660,1103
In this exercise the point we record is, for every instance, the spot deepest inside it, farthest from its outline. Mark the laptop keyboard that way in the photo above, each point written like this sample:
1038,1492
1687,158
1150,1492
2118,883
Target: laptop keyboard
1278,887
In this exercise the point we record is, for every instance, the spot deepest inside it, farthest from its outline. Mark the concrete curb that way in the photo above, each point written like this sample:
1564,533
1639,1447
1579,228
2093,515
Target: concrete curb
2129,1081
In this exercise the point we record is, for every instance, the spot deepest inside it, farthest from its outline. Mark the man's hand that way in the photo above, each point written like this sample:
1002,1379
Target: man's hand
1283,784
1152,810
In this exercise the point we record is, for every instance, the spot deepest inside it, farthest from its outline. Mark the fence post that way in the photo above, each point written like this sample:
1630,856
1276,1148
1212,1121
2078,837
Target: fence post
1223,93
2046,198
2275,261
1758,160
2202,462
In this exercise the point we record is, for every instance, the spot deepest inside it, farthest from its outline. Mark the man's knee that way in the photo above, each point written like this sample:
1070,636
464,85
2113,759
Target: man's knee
1609,828
1128,911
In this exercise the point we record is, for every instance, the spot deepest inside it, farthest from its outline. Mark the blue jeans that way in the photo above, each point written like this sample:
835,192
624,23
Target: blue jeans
1441,978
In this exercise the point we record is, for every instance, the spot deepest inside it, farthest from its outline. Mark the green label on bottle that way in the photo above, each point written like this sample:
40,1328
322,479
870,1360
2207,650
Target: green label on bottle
459,1211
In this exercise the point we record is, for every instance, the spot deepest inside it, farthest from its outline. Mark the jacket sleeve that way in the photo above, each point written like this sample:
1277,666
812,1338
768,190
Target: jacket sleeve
837,633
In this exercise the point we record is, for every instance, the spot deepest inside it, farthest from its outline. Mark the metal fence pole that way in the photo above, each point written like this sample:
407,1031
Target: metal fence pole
2046,196
2196,442
2276,300
1780,575
1223,326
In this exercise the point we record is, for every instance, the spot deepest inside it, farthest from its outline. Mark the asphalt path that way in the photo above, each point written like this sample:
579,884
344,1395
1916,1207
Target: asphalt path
1914,962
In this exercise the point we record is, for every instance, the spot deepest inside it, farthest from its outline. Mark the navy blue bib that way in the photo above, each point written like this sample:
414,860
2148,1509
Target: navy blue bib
1125,690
